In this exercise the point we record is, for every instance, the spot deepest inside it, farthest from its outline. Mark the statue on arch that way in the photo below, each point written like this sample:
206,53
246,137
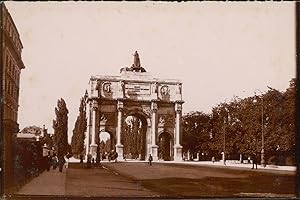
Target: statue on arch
136,66
136,60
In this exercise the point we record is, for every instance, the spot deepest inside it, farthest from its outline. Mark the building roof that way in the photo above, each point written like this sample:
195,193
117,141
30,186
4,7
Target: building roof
26,135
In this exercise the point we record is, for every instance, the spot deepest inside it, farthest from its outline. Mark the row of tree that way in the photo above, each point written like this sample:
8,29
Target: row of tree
60,126
236,127
79,130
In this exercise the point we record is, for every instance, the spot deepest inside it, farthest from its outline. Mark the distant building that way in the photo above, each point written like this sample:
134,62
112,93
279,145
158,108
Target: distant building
27,136
38,131
12,65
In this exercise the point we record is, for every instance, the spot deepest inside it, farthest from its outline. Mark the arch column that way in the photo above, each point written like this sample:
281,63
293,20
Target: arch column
154,147
93,146
177,146
89,129
119,146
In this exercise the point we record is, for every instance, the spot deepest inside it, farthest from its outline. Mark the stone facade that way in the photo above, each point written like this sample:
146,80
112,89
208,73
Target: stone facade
12,65
135,92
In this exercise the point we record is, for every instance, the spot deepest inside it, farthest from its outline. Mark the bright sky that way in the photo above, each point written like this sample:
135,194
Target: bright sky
217,49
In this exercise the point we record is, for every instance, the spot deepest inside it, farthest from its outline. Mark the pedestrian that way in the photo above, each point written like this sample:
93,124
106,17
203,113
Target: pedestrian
93,162
61,162
54,161
254,161
150,159
81,158
88,162
109,156
67,162
213,159
48,161
116,156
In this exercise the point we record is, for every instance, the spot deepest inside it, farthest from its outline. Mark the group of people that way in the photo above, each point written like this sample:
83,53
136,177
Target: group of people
55,161
254,158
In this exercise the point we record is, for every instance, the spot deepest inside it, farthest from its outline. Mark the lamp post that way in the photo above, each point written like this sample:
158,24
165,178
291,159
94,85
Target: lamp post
224,134
262,162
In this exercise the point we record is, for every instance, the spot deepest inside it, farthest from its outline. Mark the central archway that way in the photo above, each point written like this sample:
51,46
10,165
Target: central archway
133,138
165,146
105,144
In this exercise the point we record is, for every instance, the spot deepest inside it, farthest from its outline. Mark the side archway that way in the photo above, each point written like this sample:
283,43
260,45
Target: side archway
106,143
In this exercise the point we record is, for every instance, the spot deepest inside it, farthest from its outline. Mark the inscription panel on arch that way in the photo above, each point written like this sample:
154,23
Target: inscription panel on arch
137,89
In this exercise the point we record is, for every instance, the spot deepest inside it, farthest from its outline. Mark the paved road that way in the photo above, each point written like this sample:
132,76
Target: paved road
161,180
103,182
180,180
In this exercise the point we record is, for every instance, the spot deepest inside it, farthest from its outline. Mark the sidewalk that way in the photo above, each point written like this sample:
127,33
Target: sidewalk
231,164
47,183
82,182
210,163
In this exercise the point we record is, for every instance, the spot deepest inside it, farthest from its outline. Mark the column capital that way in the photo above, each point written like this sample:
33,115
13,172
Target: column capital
178,111
95,105
178,107
120,105
179,102
154,106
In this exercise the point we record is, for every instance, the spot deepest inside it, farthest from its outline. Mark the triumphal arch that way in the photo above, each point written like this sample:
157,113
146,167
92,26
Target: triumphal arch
156,102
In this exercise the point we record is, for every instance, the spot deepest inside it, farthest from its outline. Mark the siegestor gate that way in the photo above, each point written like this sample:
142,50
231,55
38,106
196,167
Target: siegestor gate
156,102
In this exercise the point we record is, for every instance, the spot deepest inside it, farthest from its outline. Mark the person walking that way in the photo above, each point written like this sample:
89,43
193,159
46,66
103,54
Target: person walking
88,162
116,156
54,161
150,159
254,161
48,161
81,158
61,162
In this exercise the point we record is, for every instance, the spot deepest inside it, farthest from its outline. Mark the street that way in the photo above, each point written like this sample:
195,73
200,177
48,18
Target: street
177,180
130,179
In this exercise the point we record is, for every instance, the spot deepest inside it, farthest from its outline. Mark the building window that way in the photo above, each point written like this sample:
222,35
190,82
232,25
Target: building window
6,61
5,85
9,66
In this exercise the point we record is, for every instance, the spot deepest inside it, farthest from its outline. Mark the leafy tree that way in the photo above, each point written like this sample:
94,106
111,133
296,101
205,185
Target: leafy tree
237,126
196,132
60,126
78,137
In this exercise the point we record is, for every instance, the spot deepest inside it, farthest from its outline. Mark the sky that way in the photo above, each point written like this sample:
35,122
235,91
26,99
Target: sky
217,49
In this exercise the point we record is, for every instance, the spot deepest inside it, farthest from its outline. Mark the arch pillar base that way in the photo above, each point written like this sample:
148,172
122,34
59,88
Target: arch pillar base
154,152
177,152
93,150
119,150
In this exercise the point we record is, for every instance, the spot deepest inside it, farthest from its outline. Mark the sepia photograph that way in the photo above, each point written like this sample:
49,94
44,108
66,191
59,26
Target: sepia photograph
148,100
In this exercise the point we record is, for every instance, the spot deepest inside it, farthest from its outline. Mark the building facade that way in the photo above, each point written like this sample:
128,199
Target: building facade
157,102
12,65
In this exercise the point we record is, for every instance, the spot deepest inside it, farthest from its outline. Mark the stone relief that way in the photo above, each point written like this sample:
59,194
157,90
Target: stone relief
165,120
106,86
147,111
165,90
107,119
